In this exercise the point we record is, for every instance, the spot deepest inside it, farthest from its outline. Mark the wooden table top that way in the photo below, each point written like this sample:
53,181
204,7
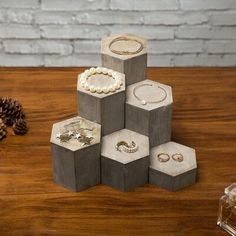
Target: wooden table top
31,203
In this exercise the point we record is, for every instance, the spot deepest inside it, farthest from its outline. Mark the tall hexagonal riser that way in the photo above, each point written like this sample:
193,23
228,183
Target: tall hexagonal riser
151,120
173,175
121,170
75,146
134,66
77,170
105,109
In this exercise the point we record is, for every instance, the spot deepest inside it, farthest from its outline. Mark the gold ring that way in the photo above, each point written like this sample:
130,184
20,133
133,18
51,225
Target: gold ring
178,157
163,157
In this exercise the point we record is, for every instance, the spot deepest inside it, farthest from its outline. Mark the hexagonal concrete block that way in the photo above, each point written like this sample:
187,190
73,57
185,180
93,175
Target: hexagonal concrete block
106,109
149,110
75,145
119,169
171,173
127,54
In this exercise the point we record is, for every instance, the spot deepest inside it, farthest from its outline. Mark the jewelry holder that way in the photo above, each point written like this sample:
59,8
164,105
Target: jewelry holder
101,98
76,148
149,110
124,160
127,54
172,166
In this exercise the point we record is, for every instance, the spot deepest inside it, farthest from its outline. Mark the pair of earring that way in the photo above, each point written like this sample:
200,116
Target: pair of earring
164,157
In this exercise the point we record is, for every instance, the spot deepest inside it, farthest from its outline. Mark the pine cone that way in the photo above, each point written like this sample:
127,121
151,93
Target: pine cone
20,127
10,110
3,130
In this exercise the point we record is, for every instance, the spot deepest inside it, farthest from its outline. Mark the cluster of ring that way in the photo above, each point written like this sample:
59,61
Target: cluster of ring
164,157
117,82
126,147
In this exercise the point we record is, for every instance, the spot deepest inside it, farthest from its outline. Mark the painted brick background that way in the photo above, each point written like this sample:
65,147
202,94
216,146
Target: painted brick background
68,32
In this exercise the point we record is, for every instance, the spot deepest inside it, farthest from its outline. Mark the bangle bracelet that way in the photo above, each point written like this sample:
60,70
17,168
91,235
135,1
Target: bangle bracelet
145,102
117,82
125,52
126,147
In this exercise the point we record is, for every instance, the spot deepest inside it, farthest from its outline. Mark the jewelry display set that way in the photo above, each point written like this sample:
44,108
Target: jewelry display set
124,118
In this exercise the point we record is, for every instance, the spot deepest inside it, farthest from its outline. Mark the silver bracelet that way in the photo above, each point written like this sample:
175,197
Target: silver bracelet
144,102
117,82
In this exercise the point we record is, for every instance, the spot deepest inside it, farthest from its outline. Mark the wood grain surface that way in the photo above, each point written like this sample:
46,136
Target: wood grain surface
204,117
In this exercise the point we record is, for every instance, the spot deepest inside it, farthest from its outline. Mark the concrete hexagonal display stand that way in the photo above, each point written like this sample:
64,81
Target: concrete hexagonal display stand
173,175
121,170
133,65
151,119
76,165
105,109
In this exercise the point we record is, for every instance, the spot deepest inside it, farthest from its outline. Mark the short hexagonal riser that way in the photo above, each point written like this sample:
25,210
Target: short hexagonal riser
105,109
169,172
150,119
75,145
124,177
77,170
121,170
133,65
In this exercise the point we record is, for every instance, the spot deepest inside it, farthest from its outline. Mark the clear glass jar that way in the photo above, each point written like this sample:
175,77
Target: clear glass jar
227,210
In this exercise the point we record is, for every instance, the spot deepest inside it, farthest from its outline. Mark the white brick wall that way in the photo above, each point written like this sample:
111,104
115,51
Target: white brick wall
68,32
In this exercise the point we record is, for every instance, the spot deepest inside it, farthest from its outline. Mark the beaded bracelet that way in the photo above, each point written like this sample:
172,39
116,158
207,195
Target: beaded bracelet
117,82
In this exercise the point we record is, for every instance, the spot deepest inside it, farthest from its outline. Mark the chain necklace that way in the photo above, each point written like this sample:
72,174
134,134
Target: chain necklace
125,52
145,102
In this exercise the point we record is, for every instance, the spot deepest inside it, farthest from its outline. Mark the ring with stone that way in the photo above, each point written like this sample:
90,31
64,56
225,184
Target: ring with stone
178,157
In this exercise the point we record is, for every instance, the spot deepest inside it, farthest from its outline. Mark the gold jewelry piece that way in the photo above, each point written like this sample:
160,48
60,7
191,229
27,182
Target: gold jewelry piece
178,157
125,52
144,102
117,82
126,147
163,157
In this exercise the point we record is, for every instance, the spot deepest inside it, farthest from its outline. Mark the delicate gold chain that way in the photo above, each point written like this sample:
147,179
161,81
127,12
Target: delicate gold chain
125,52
